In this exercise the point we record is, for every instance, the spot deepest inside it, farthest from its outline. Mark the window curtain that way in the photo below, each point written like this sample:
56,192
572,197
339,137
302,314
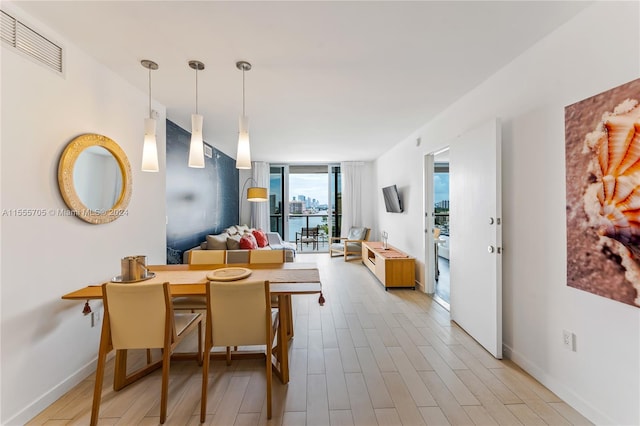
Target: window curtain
260,211
351,195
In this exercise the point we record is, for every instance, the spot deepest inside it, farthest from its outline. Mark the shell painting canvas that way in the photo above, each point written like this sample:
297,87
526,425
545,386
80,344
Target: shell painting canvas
602,136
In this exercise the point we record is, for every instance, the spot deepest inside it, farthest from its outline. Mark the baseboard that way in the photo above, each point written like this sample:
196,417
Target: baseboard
565,393
37,406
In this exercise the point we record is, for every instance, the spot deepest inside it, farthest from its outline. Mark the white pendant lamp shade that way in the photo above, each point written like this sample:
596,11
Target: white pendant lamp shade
243,156
196,149
150,147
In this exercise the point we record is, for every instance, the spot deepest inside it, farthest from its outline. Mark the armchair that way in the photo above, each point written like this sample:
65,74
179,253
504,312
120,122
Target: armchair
351,245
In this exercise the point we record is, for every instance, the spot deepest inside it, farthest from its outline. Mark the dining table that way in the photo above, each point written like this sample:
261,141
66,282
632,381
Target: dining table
285,280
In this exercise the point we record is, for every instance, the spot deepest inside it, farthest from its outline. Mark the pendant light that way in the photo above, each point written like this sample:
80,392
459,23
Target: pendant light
243,157
150,147
196,149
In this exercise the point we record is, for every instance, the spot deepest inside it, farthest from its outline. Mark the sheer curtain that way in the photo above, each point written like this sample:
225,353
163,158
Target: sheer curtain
260,211
351,195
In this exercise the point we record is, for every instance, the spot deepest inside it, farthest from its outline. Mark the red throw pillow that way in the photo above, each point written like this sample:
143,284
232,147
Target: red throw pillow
261,238
248,242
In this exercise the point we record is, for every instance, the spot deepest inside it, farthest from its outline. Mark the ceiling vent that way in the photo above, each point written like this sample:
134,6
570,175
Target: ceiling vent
24,39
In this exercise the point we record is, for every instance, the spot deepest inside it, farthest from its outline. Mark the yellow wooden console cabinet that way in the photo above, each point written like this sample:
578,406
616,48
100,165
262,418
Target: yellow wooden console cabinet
391,266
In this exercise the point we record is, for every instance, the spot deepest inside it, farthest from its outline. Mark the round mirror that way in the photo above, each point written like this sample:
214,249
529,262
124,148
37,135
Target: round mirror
94,176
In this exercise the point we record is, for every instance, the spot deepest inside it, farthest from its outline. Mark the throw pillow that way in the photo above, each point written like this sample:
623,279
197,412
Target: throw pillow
242,228
248,242
261,238
217,242
233,242
232,230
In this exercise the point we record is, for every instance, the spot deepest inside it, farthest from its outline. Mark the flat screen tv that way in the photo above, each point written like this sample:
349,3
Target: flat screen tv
392,200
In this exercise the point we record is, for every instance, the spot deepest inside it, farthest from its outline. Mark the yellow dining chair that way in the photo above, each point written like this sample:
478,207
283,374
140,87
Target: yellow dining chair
140,316
199,257
207,257
238,314
266,256
274,256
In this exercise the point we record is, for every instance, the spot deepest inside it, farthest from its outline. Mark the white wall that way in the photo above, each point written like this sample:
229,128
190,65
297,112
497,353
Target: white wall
596,51
47,345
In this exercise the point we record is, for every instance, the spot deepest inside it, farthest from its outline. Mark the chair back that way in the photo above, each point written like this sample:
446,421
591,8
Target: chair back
358,233
137,314
207,257
310,232
237,256
266,256
240,312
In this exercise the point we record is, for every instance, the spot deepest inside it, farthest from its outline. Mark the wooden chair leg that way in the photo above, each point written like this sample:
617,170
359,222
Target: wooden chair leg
97,390
200,350
269,380
205,379
228,355
166,362
103,350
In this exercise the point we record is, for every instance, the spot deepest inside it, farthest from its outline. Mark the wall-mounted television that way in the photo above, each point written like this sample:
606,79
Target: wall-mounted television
392,201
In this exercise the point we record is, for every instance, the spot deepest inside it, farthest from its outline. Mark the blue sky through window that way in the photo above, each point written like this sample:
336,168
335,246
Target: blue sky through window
440,187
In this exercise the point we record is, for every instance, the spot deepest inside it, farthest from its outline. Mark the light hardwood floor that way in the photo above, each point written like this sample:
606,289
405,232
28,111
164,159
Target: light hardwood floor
368,357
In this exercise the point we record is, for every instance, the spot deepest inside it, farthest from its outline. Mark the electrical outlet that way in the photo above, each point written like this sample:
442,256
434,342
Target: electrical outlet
569,340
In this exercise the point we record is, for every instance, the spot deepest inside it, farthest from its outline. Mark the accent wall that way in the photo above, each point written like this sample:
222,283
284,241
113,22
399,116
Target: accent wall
199,201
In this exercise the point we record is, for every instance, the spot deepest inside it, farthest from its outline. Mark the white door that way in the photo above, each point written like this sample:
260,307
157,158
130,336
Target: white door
430,252
476,243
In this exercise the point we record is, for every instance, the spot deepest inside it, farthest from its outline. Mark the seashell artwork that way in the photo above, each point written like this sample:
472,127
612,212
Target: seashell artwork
603,194
612,201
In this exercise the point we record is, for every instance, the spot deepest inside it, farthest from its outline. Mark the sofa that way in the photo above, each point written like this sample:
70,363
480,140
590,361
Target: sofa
237,247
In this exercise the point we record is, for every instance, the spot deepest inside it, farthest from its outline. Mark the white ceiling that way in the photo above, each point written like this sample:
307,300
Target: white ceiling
331,81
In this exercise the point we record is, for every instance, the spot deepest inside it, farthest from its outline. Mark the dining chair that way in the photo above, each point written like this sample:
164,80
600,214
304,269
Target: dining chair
207,257
237,256
195,303
274,256
266,256
140,316
238,314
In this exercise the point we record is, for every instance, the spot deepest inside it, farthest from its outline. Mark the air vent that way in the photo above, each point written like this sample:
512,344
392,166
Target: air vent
29,42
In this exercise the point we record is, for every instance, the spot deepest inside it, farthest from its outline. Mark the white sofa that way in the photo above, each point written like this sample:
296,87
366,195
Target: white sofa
228,240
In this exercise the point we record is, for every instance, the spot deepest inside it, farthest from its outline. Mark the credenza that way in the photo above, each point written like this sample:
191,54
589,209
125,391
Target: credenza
392,267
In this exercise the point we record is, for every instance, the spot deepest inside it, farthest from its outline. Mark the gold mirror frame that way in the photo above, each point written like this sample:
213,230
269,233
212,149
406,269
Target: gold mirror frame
67,187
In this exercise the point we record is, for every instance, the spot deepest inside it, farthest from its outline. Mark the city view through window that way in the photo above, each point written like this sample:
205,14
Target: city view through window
310,189
441,200
308,204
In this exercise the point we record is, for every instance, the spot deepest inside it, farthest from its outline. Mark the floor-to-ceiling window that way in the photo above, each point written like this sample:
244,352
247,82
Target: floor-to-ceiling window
335,197
308,223
276,199
305,204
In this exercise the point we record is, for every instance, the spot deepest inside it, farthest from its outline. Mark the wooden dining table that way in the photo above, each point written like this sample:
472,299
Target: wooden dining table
285,280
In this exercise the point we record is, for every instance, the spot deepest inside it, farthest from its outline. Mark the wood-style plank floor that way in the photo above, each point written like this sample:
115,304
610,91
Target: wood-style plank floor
367,357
